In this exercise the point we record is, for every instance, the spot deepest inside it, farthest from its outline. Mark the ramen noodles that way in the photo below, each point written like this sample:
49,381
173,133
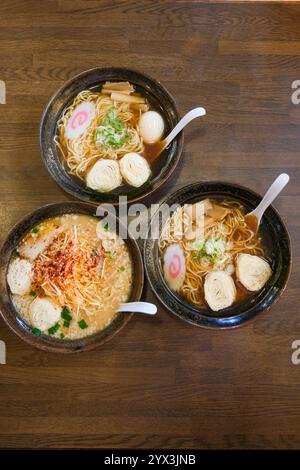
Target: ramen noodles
104,136
209,254
69,275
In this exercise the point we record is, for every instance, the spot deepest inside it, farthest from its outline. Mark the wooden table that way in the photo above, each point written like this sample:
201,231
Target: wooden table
160,382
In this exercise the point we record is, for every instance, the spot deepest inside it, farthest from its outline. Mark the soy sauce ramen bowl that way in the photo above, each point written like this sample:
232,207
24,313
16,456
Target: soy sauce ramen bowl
278,248
159,98
43,341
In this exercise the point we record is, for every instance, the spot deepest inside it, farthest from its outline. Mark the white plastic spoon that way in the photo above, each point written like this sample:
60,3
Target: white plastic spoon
162,144
253,218
139,307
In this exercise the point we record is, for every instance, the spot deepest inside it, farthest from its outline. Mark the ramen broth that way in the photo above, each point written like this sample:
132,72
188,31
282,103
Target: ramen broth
78,273
203,255
101,127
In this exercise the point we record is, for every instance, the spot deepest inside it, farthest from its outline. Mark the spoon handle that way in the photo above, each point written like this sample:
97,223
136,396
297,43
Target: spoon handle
194,113
139,307
278,185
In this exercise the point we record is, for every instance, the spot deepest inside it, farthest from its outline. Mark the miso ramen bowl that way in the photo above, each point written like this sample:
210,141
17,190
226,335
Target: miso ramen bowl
9,313
275,238
159,99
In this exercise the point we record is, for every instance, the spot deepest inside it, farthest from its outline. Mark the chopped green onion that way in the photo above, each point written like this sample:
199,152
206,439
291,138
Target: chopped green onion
82,324
112,132
62,336
212,249
35,230
65,314
16,254
66,323
54,329
36,331
32,293
198,245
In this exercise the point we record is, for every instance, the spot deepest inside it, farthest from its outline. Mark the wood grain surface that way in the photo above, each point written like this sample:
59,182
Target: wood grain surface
160,382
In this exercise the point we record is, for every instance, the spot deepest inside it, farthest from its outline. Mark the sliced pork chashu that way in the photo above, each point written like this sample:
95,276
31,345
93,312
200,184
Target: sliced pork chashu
252,271
35,246
219,290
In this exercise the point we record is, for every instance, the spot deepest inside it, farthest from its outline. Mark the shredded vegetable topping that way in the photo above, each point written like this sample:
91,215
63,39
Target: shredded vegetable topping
76,276
112,132
212,249
68,269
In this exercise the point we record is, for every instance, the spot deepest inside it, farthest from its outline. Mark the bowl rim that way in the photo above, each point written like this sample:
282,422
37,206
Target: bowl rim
180,137
216,326
32,340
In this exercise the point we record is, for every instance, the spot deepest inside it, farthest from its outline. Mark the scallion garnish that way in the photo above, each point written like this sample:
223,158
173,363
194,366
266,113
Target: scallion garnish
112,132
66,323
36,331
32,293
65,314
16,254
54,329
62,336
35,230
82,324
211,249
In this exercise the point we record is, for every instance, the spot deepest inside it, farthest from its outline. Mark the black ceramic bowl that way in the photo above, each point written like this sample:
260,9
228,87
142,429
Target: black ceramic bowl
17,324
157,95
279,251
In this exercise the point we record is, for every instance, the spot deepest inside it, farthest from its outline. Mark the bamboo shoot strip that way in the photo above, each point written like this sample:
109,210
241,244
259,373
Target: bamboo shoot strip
106,91
139,107
126,98
118,86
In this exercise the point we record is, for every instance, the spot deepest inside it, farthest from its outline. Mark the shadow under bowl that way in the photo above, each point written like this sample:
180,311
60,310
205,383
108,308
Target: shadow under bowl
275,237
158,97
15,321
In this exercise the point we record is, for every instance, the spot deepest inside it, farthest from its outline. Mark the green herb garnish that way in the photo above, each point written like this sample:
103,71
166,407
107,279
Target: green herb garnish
122,268
36,331
66,323
62,336
112,132
65,314
212,249
32,293
35,230
54,329
16,254
111,255
106,227
82,324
